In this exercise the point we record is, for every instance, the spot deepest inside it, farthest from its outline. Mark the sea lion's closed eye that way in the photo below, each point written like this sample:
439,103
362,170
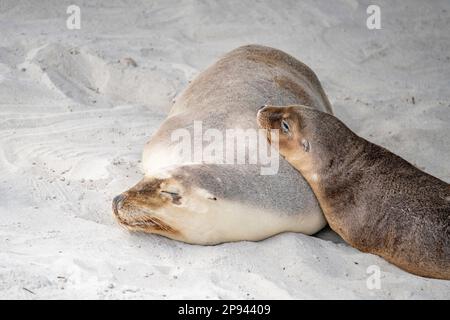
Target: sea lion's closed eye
175,196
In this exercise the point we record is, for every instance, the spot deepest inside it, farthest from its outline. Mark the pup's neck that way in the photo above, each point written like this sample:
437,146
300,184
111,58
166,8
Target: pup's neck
329,171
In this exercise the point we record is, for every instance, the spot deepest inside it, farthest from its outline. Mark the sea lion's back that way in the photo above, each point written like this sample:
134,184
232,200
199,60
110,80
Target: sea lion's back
250,76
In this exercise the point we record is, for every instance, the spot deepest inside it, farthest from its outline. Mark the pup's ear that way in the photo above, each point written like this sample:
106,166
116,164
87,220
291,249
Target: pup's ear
305,145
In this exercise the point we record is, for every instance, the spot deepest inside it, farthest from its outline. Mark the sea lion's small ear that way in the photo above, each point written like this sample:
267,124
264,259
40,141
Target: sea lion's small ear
305,145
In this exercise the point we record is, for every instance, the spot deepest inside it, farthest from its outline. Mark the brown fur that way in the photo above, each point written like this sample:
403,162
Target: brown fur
375,200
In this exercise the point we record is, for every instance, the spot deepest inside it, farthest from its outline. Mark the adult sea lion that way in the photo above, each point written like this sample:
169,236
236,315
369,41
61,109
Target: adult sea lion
375,200
209,203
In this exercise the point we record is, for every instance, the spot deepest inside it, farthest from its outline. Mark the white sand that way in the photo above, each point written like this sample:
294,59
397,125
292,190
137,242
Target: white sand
73,122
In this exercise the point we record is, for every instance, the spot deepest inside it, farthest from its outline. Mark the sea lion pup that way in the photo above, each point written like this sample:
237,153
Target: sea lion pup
208,203
375,200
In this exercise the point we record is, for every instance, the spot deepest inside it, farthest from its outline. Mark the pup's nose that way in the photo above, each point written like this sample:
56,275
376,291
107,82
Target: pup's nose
117,203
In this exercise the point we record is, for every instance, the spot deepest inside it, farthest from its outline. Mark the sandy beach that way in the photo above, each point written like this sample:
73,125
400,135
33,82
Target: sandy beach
75,115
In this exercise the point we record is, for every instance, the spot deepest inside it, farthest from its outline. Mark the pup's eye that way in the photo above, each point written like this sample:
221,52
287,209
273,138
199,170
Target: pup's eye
284,126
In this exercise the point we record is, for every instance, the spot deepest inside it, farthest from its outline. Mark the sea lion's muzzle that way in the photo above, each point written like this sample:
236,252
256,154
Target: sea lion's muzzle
140,208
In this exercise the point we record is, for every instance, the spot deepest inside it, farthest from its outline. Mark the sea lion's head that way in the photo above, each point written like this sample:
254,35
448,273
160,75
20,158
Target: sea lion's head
167,204
308,139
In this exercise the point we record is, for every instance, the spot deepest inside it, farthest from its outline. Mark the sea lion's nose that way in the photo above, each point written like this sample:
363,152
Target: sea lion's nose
117,203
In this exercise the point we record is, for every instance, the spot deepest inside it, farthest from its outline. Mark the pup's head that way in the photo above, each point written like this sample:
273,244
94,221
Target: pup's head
307,138
291,140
